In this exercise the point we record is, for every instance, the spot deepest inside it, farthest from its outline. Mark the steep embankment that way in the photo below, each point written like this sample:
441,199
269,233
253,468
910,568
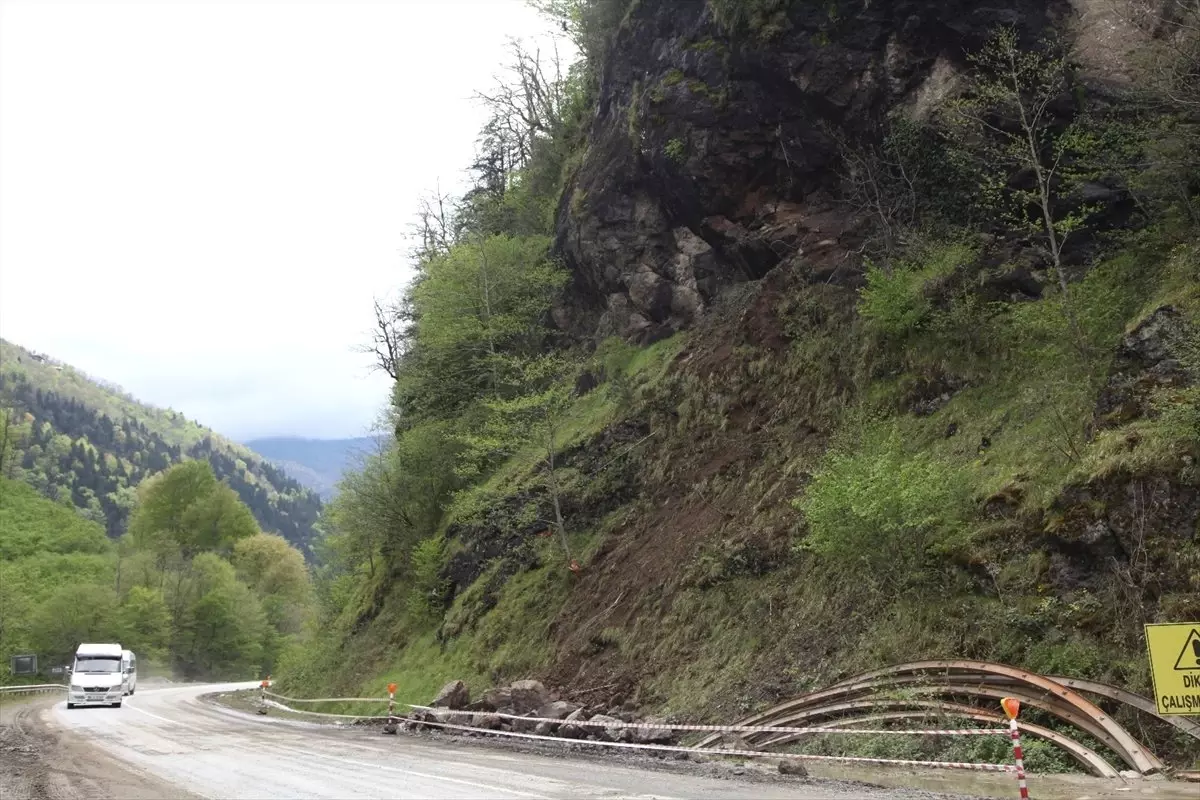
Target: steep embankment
878,413
44,546
78,440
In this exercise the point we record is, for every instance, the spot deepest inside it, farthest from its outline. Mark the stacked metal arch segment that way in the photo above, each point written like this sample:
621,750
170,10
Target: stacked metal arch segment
970,690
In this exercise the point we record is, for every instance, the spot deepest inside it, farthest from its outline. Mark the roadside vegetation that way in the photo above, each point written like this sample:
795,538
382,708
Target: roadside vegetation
79,440
959,416
195,588
986,448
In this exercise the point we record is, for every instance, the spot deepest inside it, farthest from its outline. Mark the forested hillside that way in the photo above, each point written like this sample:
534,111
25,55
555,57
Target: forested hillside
781,340
89,445
195,588
318,464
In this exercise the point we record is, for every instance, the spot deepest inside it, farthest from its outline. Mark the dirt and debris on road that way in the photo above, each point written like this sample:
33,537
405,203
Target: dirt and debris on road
37,762
834,780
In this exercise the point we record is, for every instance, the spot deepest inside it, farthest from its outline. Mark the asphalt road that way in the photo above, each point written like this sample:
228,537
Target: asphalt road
170,735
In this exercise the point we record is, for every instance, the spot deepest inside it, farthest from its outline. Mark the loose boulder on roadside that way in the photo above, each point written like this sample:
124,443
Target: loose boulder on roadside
489,721
525,725
792,766
654,730
570,730
527,696
611,730
558,709
454,695
497,699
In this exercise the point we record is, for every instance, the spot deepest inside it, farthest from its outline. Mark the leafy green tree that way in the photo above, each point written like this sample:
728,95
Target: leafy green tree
15,429
278,575
144,622
540,395
222,628
163,499
216,522
76,612
882,509
483,300
394,501
1007,118
187,509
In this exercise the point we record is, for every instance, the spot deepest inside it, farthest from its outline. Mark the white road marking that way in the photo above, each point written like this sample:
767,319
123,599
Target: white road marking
487,786
148,714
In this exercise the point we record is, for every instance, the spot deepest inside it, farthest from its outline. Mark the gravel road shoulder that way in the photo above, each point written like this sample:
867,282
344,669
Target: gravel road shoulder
743,771
838,779
38,761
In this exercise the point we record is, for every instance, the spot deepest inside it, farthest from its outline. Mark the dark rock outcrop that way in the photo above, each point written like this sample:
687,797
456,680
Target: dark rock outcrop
710,160
1148,358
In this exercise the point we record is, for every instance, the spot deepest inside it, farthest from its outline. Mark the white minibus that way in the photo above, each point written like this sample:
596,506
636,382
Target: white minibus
129,670
97,678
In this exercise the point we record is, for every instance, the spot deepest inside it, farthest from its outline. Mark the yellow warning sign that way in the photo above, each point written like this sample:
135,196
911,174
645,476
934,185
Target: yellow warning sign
1174,649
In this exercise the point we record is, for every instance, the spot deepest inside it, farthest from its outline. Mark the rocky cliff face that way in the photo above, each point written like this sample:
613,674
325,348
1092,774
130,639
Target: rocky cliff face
712,158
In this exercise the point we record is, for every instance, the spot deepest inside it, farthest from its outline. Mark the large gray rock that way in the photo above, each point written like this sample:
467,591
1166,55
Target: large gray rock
527,725
497,699
570,730
558,709
527,696
546,728
489,721
654,730
454,695
610,728
453,718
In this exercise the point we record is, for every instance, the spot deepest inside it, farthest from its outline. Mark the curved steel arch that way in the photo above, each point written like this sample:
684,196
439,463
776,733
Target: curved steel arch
1054,695
1088,758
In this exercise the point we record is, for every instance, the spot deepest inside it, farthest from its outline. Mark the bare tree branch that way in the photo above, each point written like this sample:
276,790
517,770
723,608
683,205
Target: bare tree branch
388,339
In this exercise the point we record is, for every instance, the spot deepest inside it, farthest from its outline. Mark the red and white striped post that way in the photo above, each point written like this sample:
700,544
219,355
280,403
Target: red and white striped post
262,694
1012,707
390,727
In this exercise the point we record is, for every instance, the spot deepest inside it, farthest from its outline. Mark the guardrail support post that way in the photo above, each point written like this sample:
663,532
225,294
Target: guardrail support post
390,727
1012,707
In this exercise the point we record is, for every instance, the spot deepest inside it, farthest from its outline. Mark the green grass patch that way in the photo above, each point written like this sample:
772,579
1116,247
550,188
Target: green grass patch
877,502
629,373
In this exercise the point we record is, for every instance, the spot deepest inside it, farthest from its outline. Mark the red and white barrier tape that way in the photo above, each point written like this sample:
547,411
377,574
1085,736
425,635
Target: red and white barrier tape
675,748
328,699
726,728
721,752
653,725
282,707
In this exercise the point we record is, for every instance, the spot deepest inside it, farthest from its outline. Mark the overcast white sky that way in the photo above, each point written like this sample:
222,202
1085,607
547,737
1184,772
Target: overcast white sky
199,200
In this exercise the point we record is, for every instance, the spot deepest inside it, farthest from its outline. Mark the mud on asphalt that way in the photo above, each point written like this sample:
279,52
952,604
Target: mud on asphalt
764,772
38,762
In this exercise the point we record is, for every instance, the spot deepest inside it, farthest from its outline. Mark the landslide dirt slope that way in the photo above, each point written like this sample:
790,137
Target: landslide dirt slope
1022,488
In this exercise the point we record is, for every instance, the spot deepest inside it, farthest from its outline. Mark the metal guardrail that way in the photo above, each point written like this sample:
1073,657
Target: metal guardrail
38,688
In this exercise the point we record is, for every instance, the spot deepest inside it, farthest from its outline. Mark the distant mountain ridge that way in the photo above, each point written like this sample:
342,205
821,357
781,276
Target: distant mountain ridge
88,443
317,463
